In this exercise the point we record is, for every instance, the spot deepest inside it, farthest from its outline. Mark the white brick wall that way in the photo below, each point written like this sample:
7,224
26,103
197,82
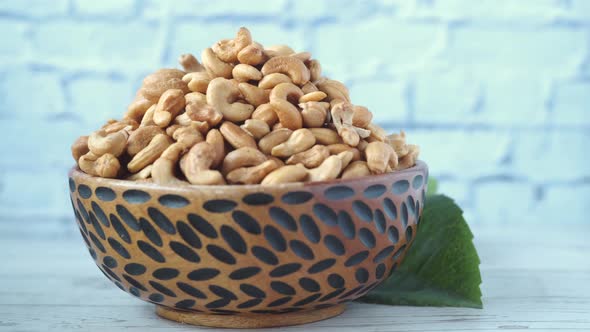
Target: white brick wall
110,9
572,103
490,49
94,97
17,44
17,82
497,93
96,44
34,8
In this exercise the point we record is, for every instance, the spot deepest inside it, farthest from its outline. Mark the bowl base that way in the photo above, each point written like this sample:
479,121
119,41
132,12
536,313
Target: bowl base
251,320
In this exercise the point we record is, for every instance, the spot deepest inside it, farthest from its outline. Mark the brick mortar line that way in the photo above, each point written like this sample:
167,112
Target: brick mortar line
417,125
522,22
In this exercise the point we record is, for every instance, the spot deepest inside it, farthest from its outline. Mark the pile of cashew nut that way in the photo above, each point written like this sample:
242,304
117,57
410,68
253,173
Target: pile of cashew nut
245,115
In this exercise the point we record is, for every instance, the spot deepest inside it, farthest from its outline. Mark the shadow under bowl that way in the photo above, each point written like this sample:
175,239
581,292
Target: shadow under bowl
249,256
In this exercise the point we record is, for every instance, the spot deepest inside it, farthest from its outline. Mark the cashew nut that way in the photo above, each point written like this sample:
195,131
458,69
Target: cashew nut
278,50
313,96
228,49
100,142
256,128
215,66
361,116
114,125
277,126
200,126
346,157
266,113
137,108
187,136
108,123
334,89
150,153
285,174
271,80
163,169
410,158
196,165
286,91
148,117
106,166
350,136
236,136
377,133
291,66
380,156
141,175
170,104
185,120
299,141
315,70
362,145
342,114
254,174
356,169
254,95
335,102
80,147
279,161
326,136
140,138
356,154
303,56
155,84
172,129
309,88
195,97
274,138
198,111
215,139
328,170
242,157
398,143
222,95
313,113
245,115
339,148
190,63
197,81
310,158
280,99
252,55
245,73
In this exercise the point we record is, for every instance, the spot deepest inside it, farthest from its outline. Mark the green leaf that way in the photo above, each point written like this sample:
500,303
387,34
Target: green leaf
432,186
441,268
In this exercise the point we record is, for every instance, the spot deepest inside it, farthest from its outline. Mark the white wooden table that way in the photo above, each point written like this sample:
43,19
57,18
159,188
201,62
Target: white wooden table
534,277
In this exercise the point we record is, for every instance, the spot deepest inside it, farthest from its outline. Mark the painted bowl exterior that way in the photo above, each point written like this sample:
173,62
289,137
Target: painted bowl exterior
249,249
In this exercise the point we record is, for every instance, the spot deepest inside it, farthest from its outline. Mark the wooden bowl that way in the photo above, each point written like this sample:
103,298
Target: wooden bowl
249,256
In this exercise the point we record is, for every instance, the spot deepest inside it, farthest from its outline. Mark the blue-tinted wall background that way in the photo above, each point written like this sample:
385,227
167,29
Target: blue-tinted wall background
497,93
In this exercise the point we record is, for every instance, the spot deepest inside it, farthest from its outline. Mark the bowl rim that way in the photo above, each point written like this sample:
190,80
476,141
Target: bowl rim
76,173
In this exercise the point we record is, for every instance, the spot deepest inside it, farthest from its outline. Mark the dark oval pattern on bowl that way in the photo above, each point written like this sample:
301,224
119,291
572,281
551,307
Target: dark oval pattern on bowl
249,249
